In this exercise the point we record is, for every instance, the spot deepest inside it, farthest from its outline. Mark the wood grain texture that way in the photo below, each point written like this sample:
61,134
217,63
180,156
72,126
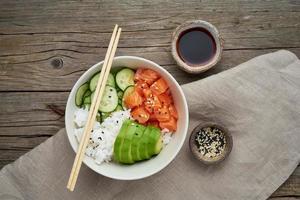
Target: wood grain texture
46,45
34,34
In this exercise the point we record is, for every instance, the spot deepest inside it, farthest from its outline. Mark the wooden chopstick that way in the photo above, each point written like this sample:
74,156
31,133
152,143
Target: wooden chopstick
89,126
85,133
107,70
94,107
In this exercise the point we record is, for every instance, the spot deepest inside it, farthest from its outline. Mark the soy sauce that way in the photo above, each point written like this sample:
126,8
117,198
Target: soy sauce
196,46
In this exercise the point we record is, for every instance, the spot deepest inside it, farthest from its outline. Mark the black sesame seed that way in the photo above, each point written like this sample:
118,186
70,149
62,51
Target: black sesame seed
210,141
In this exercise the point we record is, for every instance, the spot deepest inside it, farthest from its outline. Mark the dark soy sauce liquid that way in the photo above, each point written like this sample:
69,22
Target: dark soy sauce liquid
196,46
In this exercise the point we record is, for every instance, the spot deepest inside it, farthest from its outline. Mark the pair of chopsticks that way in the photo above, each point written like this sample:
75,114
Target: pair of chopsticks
94,106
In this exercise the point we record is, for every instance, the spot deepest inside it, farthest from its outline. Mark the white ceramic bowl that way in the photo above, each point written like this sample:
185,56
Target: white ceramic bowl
140,169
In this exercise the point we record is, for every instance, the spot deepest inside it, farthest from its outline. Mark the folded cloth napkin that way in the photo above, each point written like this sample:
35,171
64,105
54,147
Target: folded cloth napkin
258,101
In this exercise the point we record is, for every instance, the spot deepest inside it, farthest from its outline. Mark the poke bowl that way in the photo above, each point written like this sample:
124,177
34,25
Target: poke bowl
120,146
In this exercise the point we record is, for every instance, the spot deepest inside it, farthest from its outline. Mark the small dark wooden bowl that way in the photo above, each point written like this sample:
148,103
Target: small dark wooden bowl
199,156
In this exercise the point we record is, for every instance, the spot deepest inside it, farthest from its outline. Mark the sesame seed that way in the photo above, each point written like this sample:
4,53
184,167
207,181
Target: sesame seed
210,141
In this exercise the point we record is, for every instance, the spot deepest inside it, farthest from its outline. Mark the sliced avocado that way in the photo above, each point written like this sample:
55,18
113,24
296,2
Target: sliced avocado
125,156
120,139
158,146
153,146
143,146
136,142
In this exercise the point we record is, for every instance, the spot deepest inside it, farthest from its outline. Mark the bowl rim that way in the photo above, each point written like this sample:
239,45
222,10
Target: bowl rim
185,107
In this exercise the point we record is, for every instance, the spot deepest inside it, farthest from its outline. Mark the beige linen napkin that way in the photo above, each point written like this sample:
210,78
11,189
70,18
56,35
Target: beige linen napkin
258,101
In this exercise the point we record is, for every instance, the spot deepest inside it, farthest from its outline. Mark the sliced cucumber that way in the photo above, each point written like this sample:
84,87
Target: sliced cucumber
94,81
104,115
111,80
125,78
120,94
128,91
87,100
92,96
87,106
120,101
98,117
119,108
115,70
109,101
87,93
80,93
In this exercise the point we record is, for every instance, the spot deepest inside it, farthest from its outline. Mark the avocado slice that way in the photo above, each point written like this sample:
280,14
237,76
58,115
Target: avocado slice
119,140
154,144
158,146
136,142
125,156
143,146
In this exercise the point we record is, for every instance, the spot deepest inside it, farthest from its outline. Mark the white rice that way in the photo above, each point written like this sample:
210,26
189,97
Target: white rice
166,137
103,136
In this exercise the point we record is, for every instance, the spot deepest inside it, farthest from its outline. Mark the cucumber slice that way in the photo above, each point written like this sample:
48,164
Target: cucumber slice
111,80
115,70
125,78
98,117
80,93
92,96
104,116
87,93
109,101
87,106
128,90
120,94
119,108
94,81
87,100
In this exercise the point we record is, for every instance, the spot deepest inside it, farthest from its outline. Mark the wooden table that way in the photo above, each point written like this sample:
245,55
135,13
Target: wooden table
46,45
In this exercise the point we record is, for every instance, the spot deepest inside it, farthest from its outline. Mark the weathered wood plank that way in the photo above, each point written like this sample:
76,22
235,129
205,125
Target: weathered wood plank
284,198
135,15
291,187
36,73
30,38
